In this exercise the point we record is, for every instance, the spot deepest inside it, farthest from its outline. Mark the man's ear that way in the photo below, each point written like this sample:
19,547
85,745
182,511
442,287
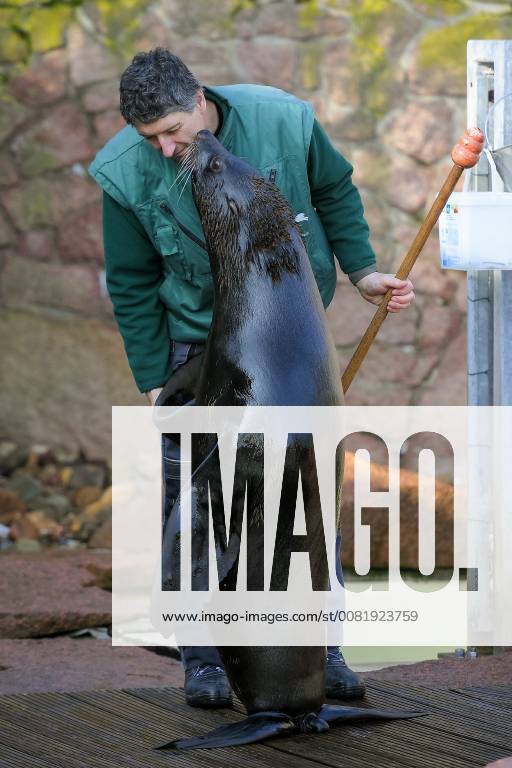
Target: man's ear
201,101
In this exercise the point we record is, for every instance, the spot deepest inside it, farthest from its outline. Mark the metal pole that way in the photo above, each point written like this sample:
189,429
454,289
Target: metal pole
489,292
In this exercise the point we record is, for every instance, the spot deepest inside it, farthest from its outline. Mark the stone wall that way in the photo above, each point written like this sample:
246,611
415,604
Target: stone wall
387,79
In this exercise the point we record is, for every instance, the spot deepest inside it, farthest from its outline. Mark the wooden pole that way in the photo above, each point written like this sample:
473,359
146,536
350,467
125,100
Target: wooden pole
465,154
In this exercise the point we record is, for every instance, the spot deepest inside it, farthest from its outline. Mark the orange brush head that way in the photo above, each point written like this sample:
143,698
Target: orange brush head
466,152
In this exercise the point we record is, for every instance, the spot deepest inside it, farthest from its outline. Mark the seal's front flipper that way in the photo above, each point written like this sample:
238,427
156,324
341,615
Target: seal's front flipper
332,713
263,725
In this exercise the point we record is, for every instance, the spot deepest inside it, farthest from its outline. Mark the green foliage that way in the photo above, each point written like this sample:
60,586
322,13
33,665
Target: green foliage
372,69
311,60
118,21
440,8
28,26
32,26
445,48
13,45
308,14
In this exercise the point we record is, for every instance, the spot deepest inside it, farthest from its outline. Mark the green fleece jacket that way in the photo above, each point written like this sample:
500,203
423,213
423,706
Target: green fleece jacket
156,263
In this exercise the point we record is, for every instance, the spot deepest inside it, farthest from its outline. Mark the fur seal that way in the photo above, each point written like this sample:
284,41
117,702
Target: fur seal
268,345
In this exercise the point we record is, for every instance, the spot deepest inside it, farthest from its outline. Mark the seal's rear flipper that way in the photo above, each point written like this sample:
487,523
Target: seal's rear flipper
267,725
258,727
332,713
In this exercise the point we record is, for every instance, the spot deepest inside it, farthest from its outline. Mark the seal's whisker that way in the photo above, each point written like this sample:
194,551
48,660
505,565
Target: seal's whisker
185,184
184,169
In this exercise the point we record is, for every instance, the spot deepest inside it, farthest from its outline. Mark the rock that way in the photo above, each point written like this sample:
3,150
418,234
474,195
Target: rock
440,9
424,131
86,664
268,62
26,487
213,22
50,475
38,456
439,325
12,115
86,495
103,504
65,475
379,521
102,96
395,27
69,287
23,528
368,391
348,316
87,474
102,577
430,279
439,64
66,454
48,201
11,506
56,506
376,214
8,173
357,125
407,185
448,384
102,538
292,21
12,456
44,81
27,545
387,363
7,234
38,244
371,168
400,328
60,139
77,415
46,527
89,62
204,57
80,237
107,124
337,71
42,594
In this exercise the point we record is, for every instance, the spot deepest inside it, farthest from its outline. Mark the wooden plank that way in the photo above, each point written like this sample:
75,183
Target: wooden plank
466,728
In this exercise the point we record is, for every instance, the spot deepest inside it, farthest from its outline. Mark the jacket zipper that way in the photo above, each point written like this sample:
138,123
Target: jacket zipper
166,209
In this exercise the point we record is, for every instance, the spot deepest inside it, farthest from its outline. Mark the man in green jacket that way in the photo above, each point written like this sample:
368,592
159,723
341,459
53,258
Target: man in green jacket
157,266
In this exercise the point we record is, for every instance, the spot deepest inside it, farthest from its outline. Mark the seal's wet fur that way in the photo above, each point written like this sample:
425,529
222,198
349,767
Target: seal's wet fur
268,345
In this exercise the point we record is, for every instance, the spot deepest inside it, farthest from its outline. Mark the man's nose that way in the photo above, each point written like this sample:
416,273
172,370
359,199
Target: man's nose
167,145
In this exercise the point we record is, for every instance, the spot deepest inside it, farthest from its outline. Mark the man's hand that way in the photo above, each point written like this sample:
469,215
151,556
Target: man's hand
372,287
152,395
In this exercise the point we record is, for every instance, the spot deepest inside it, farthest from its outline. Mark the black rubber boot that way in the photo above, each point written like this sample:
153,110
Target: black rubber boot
206,685
340,681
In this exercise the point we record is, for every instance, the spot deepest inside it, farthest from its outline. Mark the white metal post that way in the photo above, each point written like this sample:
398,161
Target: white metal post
489,292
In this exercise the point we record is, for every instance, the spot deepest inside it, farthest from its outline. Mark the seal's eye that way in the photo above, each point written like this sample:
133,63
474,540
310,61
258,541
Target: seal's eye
215,164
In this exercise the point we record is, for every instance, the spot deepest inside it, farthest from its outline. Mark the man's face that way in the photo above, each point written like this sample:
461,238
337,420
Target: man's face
172,134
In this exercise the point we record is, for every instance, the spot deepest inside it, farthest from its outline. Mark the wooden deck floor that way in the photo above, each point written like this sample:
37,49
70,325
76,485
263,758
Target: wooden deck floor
118,729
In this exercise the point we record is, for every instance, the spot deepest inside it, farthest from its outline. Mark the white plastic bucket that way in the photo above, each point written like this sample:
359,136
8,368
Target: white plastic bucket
475,231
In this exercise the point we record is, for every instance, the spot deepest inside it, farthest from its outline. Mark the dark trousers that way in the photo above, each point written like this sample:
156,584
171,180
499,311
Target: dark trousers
192,656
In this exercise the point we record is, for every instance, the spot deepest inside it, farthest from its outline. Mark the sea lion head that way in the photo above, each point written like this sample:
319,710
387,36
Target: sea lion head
245,218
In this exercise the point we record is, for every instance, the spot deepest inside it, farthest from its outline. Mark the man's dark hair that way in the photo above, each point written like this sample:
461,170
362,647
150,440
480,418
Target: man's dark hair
155,84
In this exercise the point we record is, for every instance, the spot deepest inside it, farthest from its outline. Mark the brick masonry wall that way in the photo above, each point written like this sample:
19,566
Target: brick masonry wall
387,79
